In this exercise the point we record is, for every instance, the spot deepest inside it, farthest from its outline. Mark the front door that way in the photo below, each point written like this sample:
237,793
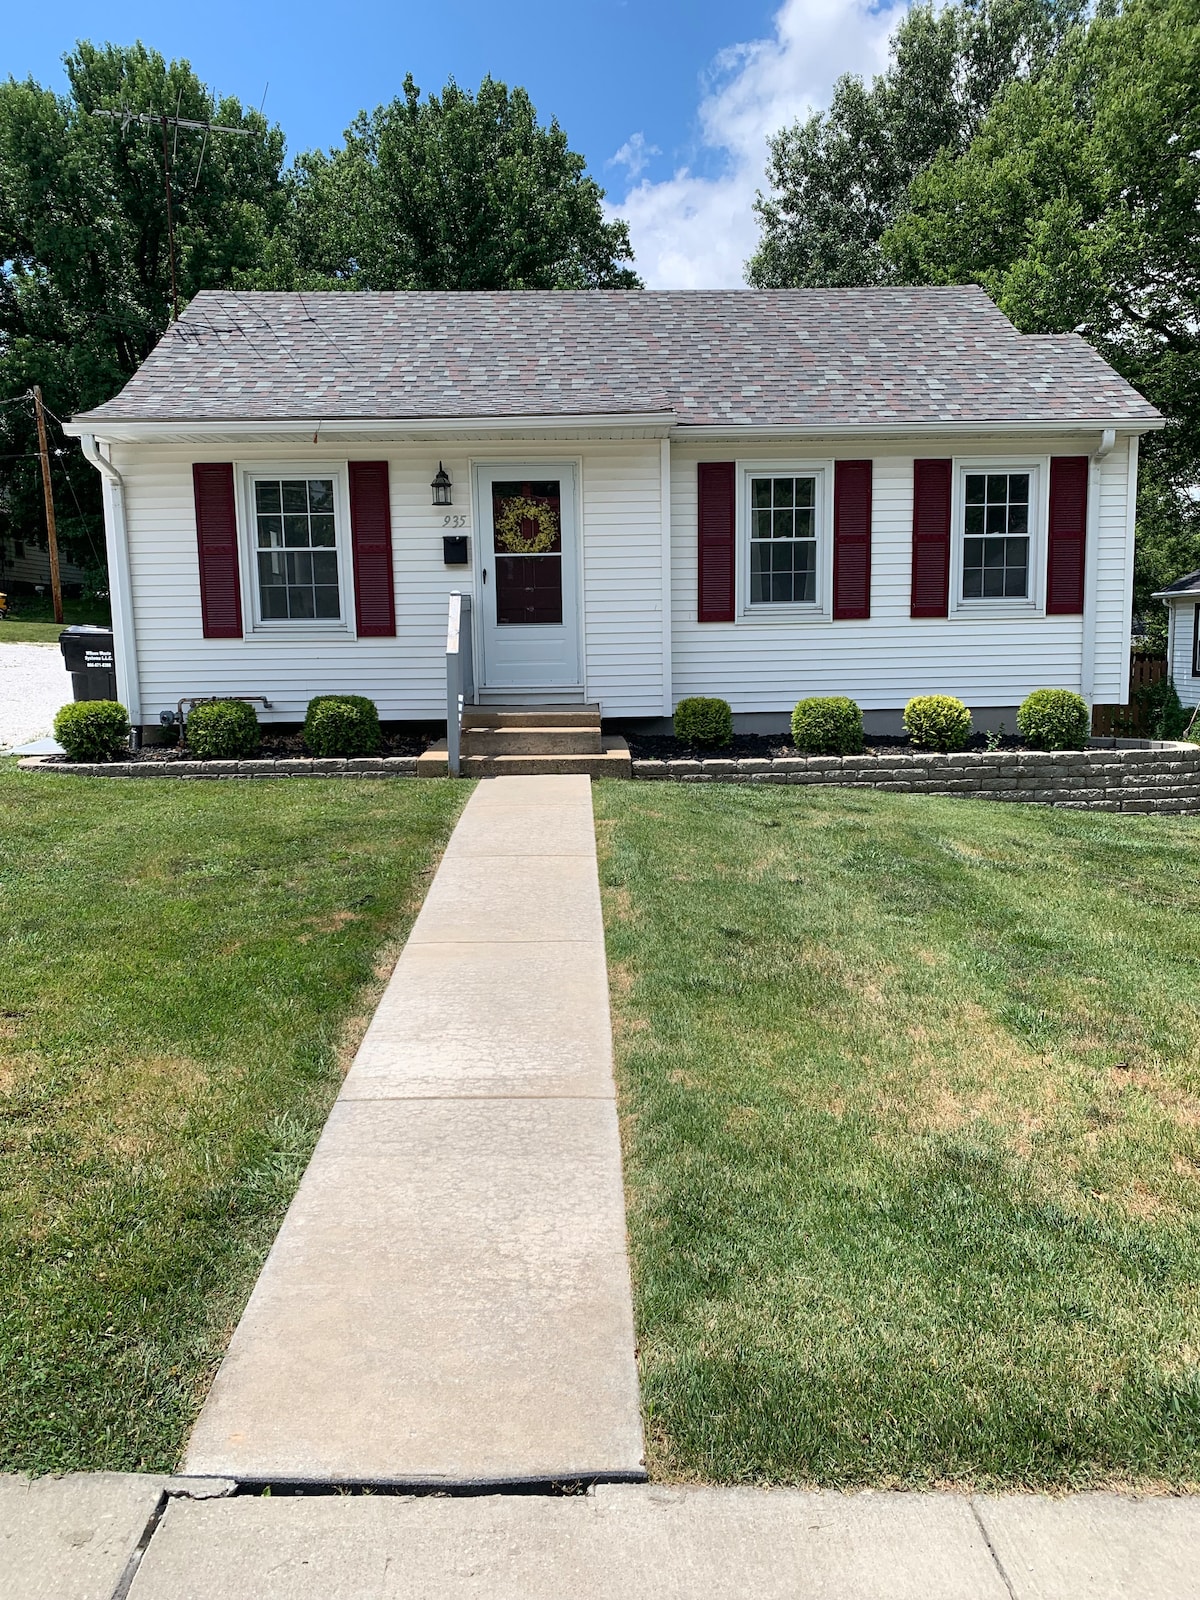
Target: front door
528,570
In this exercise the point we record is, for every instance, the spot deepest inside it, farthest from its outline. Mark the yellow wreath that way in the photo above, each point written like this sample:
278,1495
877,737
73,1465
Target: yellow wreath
508,528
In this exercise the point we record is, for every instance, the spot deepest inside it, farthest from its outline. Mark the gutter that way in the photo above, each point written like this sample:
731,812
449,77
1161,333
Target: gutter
119,580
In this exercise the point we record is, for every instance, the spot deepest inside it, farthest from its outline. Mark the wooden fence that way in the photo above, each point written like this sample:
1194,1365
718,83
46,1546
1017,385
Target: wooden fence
1131,721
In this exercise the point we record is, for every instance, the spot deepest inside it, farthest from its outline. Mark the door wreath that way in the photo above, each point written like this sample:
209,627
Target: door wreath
511,536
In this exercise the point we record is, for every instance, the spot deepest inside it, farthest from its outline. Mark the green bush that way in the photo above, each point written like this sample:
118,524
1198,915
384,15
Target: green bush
1166,717
704,722
93,730
342,725
937,722
222,730
1054,719
828,726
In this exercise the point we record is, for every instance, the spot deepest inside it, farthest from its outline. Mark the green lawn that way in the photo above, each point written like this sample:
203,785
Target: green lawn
184,970
911,1105
31,618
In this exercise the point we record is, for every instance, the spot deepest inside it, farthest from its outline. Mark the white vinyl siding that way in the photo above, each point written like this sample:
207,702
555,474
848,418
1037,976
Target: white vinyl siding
1183,653
405,675
763,666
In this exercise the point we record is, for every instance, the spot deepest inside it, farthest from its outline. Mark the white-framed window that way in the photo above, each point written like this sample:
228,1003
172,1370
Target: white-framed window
998,545
296,522
784,538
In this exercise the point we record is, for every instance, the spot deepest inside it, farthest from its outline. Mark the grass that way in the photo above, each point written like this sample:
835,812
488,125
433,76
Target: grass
911,1106
184,968
31,619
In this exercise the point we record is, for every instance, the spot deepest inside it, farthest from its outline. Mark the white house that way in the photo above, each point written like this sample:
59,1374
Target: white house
760,495
1182,600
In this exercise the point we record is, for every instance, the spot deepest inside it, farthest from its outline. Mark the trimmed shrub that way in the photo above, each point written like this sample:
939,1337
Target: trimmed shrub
342,725
937,722
222,730
93,730
704,722
1166,715
1054,719
828,726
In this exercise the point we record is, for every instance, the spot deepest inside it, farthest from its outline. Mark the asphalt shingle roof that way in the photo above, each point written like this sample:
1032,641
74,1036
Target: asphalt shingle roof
743,357
1189,584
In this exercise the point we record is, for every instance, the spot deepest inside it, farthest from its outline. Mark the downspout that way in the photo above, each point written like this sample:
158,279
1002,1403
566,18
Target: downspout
1087,685
119,582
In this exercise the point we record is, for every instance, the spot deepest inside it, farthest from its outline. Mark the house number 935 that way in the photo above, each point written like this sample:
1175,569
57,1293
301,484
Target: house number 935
454,522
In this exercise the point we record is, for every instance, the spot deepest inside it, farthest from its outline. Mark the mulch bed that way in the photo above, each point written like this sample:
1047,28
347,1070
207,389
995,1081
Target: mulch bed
770,746
399,739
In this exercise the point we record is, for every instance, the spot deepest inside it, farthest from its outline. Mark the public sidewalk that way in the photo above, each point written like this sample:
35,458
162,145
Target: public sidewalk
107,1537
448,1299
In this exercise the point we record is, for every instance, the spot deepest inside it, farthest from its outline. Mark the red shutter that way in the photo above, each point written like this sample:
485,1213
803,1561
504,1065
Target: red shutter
1067,539
931,539
217,546
715,540
851,540
371,542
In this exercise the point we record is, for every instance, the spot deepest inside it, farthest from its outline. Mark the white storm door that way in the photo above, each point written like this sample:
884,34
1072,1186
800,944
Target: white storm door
528,576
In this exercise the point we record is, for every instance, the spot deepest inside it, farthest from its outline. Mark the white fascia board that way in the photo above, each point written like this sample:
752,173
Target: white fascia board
656,424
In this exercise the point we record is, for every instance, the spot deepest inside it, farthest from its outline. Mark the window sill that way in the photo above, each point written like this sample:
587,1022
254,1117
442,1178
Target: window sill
975,609
783,613
299,630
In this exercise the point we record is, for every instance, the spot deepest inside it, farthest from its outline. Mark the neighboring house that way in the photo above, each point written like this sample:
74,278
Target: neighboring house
760,495
1182,600
25,565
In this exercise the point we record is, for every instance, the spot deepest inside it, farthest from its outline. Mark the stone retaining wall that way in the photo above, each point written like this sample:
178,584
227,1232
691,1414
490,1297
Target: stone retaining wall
1158,777
301,767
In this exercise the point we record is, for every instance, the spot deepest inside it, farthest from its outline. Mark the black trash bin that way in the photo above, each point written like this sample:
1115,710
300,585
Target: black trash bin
88,654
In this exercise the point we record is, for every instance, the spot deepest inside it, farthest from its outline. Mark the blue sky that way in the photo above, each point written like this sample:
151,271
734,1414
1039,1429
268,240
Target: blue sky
671,101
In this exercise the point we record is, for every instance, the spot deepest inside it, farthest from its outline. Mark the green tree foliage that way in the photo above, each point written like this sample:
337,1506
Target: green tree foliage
85,293
1077,207
840,178
457,191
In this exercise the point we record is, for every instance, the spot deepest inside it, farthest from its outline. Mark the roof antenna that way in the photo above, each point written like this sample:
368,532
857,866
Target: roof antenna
149,118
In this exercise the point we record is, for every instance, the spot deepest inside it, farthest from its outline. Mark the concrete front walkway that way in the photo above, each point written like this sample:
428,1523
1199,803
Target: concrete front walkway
448,1298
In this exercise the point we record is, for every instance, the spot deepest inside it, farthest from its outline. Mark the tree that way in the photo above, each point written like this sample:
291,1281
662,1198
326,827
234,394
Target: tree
86,292
840,178
457,191
1077,207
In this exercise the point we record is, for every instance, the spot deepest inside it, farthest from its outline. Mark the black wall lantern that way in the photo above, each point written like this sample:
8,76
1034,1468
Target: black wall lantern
441,487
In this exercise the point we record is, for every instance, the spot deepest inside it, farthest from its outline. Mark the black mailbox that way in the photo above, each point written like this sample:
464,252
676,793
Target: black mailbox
88,657
454,549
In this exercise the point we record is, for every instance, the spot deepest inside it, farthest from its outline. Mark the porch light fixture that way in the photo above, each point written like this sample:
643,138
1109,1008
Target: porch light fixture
441,487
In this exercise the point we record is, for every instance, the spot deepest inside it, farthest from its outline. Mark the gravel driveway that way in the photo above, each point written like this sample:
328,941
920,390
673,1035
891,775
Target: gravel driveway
33,684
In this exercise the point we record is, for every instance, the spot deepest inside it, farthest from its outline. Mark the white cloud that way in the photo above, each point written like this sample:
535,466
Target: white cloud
693,232
634,155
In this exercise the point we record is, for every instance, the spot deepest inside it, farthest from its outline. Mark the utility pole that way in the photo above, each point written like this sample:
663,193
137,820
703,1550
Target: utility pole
48,496
165,122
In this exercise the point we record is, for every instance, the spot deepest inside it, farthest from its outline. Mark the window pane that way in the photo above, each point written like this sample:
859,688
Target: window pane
295,532
322,530
270,532
761,527
975,488
993,552
1018,487
300,603
266,496
804,523
760,492
270,568
993,583
1018,519
295,495
783,491
300,569
324,568
320,494
974,520
806,491
997,488
782,528
758,580
972,583
327,601
997,519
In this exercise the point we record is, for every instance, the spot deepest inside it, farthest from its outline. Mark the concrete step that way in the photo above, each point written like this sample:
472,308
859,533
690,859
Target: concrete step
576,716
613,761
531,741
